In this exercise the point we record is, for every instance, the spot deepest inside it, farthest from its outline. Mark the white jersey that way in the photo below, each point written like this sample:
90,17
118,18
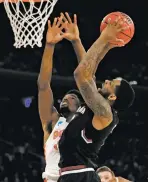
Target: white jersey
52,155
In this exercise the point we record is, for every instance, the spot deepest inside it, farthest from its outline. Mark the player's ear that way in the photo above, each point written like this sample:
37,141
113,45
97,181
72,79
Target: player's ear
112,97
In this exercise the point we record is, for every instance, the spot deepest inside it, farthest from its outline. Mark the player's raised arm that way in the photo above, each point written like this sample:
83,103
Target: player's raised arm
84,73
72,34
45,96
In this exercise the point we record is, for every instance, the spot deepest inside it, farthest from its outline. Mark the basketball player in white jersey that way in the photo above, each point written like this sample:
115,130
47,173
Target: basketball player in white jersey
107,175
54,123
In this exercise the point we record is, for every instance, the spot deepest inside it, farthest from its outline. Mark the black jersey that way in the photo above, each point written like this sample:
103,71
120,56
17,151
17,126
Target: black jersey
80,142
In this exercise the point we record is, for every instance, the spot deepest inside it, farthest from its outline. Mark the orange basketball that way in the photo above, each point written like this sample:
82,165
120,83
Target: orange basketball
125,35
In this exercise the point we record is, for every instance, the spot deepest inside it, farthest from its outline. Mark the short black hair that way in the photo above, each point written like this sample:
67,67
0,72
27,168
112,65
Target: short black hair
77,93
125,96
103,169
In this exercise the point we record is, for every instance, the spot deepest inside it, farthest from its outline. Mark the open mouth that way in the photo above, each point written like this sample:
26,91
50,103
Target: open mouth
64,104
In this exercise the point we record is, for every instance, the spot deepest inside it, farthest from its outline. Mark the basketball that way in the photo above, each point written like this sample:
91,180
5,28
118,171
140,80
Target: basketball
125,35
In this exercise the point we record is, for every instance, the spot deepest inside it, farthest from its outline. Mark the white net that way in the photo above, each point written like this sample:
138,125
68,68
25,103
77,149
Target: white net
28,20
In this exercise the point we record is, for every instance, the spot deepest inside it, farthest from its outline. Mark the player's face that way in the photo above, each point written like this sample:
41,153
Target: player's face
109,87
105,176
71,101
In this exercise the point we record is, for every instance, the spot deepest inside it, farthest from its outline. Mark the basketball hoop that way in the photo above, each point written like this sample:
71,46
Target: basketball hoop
28,19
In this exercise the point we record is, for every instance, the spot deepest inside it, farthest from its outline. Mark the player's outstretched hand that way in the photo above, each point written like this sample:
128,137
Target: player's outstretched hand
54,32
112,29
71,31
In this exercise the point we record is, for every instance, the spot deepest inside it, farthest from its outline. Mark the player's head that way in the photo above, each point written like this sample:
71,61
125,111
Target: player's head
70,102
105,174
119,93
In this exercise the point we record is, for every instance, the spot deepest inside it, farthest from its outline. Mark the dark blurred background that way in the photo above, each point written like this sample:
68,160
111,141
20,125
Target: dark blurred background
21,146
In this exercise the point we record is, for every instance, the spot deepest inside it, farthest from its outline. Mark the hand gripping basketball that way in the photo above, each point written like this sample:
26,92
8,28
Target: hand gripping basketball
123,28
112,29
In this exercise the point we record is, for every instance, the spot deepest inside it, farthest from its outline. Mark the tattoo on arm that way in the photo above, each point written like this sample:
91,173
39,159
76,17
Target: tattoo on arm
84,78
87,68
94,100
93,57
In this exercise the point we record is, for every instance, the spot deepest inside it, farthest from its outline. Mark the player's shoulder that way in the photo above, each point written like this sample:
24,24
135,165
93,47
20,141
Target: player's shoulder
61,121
55,115
54,119
54,110
56,123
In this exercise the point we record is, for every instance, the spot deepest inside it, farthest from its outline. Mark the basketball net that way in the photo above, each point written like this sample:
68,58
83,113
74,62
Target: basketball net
28,19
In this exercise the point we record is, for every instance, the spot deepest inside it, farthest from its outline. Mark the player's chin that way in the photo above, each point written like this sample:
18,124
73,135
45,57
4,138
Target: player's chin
64,106
103,93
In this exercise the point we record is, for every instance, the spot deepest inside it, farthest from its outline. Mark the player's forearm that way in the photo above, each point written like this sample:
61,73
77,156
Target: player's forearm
45,96
93,57
79,49
46,65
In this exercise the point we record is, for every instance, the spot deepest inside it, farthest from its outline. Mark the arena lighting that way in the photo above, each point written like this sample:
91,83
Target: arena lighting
133,82
27,101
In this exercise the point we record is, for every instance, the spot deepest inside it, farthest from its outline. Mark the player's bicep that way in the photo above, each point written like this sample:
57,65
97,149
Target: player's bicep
95,101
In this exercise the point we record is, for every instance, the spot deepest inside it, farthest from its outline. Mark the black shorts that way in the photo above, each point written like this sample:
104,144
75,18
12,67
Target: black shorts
89,176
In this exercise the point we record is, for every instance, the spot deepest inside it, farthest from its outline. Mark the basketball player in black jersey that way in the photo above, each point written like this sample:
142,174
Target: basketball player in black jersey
96,118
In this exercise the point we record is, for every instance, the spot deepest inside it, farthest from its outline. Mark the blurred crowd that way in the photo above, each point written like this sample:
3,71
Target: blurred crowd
19,164
137,73
129,62
125,151
21,147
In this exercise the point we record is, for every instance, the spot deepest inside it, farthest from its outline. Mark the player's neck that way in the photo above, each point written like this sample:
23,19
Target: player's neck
65,112
65,115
